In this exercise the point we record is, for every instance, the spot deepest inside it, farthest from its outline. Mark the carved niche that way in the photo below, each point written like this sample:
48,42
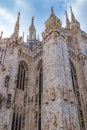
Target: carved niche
52,94
46,97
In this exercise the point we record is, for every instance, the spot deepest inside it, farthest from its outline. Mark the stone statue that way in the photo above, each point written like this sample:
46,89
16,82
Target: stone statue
52,94
65,94
46,97
55,123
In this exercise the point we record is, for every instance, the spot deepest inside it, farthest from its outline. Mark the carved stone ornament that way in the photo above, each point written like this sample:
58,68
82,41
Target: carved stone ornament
46,97
47,125
52,94
65,94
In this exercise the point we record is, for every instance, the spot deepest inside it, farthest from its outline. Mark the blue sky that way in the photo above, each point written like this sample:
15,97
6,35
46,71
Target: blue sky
41,10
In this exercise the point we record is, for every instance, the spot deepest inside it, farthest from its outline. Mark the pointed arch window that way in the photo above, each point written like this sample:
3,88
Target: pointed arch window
21,76
16,121
77,95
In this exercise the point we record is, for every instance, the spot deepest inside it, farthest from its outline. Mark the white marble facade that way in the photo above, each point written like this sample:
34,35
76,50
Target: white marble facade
44,87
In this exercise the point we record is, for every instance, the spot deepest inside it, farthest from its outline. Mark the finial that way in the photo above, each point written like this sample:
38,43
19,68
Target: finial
72,15
66,13
18,15
32,20
71,9
16,30
18,18
1,34
67,20
52,10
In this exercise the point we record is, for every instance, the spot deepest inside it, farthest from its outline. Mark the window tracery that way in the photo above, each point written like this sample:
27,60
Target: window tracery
21,76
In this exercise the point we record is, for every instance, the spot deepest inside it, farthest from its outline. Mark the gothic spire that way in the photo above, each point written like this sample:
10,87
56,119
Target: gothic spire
16,30
67,20
52,11
32,30
72,15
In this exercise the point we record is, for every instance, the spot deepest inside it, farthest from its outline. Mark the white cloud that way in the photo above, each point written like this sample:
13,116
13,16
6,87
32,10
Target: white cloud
7,15
7,22
21,3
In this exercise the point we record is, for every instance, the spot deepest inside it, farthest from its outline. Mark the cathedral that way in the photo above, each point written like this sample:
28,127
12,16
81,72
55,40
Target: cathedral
43,84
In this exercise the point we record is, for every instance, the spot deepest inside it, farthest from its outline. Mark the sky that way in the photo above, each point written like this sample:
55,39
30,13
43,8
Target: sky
40,9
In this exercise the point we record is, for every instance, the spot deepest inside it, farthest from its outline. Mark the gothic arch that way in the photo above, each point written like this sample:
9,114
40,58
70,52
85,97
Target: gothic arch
17,119
24,63
77,95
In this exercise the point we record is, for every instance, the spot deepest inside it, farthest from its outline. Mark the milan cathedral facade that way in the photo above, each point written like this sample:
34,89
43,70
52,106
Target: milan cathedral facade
43,84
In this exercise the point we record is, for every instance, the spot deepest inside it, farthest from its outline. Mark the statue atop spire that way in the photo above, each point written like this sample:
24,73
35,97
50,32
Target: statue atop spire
16,30
67,20
32,23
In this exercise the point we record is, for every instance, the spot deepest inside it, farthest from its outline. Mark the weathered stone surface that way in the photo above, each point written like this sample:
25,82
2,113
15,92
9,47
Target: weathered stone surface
60,100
